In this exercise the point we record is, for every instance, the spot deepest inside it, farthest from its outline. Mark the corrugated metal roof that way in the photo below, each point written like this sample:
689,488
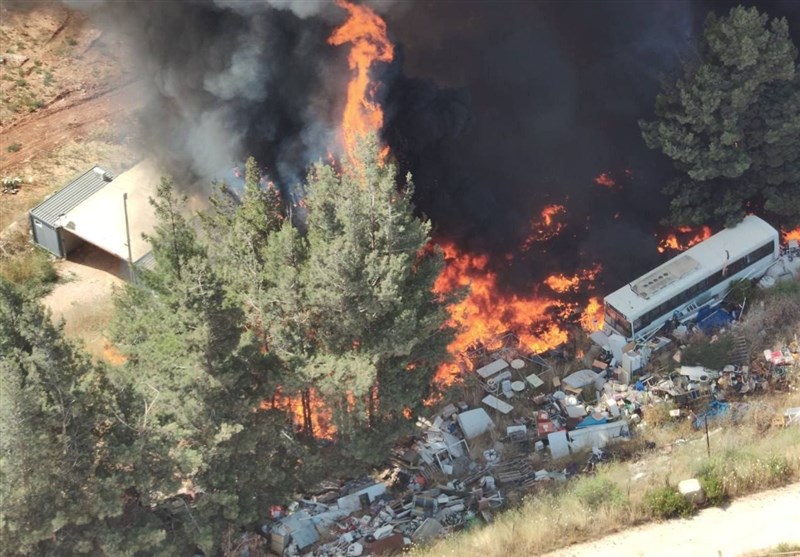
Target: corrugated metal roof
147,262
71,195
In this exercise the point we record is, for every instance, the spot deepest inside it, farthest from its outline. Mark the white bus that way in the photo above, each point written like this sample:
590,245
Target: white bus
698,277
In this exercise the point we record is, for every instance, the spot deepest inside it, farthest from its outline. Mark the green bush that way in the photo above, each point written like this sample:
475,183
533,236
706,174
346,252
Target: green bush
666,502
741,291
713,355
32,268
779,470
596,492
14,147
711,478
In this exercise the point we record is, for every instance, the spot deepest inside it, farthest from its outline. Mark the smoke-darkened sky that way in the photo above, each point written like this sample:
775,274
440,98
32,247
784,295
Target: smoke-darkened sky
498,108
554,93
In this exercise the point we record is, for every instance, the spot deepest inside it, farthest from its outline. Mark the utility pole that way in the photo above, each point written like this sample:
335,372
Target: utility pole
128,236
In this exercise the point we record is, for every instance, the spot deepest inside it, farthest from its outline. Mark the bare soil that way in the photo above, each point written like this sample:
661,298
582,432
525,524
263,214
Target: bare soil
83,298
67,96
749,526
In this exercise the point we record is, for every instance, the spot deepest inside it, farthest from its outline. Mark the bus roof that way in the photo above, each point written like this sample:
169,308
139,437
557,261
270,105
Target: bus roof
705,258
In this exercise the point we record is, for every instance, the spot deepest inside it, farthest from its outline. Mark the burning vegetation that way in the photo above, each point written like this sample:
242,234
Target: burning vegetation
684,237
546,226
485,313
365,31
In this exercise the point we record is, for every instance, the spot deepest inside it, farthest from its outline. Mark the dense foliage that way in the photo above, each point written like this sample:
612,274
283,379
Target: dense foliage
731,123
255,336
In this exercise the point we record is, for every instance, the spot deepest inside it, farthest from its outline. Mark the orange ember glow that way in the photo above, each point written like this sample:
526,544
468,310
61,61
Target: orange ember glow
546,226
563,283
485,313
685,237
792,235
366,32
592,316
605,180
318,414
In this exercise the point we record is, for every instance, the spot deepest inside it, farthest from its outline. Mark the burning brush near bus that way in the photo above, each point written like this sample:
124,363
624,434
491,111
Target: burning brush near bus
536,216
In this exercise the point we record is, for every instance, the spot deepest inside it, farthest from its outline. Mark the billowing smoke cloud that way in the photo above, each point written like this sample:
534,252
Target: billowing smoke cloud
496,111
227,79
542,98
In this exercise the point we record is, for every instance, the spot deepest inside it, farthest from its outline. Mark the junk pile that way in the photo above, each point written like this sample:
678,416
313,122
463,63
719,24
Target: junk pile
370,518
467,460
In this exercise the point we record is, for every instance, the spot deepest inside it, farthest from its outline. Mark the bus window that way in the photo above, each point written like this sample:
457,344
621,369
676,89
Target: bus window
617,321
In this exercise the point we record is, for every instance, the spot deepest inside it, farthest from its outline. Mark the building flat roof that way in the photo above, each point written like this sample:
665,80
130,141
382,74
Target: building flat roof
100,218
70,196
707,257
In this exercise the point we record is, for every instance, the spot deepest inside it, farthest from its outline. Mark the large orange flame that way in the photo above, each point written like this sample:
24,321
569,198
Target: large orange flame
319,414
685,237
486,314
592,317
366,31
571,283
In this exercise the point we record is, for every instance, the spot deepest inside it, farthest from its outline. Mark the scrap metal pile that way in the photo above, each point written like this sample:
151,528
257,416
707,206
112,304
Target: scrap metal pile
466,460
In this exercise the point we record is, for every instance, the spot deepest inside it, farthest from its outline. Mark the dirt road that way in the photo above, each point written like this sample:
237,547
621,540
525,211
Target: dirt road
754,523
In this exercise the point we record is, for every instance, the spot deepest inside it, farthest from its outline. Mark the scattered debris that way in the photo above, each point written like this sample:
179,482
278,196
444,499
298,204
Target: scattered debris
467,459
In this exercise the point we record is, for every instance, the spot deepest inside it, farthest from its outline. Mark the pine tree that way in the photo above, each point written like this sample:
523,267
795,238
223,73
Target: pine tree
377,325
238,230
731,124
64,487
203,380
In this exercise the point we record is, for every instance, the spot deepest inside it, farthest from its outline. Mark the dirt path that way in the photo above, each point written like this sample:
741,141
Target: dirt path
84,298
754,523
66,119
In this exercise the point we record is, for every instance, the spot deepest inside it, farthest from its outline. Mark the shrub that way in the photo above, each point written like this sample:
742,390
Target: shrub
666,502
48,77
778,469
713,355
741,291
711,478
31,268
14,147
596,492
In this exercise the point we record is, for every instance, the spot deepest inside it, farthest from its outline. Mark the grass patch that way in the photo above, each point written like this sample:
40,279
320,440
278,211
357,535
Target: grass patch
745,458
31,268
596,492
666,502
713,355
48,77
14,147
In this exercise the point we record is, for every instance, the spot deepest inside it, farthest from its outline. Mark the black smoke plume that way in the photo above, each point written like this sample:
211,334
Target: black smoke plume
498,109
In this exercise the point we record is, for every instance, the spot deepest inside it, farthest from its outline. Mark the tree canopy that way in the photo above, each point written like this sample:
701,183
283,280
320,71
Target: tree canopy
731,123
65,486
263,352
